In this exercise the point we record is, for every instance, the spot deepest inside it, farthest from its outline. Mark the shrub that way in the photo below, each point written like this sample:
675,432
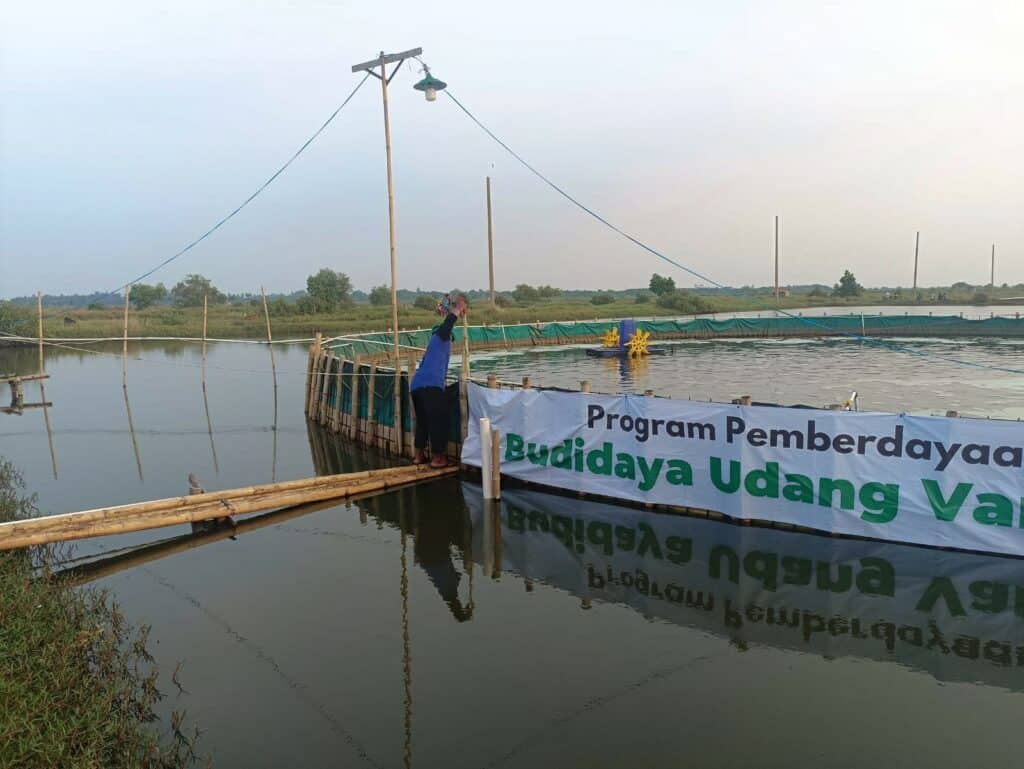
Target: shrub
79,686
642,298
425,302
684,302
602,298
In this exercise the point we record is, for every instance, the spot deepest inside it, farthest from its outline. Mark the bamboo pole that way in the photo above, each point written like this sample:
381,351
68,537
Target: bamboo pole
371,402
42,387
270,337
200,507
39,312
354,422
124,349
495,479
201,512
490,246
206,400
313,352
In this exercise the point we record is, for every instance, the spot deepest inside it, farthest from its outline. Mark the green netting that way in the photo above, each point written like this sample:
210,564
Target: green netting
384,399
362,389
819,325
346,387
406,402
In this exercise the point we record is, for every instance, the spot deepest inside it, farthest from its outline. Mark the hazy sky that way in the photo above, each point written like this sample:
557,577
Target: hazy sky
128,129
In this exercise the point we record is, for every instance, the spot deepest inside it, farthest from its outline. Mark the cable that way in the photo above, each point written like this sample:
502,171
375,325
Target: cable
249,199
700,276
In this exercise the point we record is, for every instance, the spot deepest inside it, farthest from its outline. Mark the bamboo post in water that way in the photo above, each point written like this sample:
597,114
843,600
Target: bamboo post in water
39,311
486,457
270,338
313,352
370,435
42,386
354,426
495,479
124,349
206,400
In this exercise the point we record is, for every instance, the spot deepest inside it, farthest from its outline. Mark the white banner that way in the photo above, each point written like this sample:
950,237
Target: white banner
927,480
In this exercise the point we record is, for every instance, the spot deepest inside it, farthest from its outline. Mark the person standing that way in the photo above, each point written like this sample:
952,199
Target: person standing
429,400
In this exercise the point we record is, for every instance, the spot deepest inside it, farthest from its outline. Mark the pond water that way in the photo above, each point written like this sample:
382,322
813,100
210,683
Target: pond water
418,628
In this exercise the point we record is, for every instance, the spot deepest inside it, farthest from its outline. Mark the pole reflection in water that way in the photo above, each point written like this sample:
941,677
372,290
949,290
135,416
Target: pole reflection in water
131,430
406,644
49,430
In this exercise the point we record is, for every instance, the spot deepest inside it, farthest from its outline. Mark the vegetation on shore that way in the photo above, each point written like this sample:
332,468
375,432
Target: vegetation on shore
77,686
331,305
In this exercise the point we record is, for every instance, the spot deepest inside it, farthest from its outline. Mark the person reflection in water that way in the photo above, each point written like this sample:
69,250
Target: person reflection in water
438,532
431,402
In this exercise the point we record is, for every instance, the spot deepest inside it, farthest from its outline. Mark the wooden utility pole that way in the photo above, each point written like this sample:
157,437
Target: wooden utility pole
776,259
490,243
917,243
369,66
993,265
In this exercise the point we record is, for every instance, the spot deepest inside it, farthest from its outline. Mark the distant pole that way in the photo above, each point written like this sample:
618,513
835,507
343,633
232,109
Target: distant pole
993,265
490,242
917,243
776,259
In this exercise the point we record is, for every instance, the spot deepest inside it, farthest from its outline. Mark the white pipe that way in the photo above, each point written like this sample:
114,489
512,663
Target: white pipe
485,456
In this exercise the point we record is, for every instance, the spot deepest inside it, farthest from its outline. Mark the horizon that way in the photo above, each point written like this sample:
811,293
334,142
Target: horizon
129,131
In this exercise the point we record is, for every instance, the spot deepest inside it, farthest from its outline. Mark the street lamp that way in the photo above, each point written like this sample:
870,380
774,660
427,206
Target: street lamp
430,86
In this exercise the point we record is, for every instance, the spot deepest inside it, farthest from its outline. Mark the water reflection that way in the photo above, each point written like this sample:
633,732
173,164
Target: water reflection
956,616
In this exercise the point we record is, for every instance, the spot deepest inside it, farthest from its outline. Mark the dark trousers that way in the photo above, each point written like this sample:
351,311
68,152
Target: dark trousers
432,419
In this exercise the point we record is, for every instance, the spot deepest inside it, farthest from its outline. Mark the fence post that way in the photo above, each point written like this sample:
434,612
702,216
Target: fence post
486,457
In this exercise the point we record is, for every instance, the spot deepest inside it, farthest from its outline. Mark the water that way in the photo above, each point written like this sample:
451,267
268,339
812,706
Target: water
409,629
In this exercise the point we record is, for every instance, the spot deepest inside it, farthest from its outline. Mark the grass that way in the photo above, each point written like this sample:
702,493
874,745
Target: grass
77,686
247,322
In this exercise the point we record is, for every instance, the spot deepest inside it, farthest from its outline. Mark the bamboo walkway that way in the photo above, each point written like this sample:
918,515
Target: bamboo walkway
206,506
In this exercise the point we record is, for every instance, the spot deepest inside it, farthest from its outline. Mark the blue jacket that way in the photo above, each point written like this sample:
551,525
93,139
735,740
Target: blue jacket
433,369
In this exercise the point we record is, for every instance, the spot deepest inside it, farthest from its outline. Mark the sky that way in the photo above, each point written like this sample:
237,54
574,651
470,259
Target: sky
129,128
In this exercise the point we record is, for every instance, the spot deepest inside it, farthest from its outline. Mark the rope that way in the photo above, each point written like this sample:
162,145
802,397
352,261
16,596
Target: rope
700,276
249,199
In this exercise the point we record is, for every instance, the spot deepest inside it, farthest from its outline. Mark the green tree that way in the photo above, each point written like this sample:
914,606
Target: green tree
602,297
548,292
190,292
660,286
525,293
848,286
328,290
144,295
424,302
380,296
